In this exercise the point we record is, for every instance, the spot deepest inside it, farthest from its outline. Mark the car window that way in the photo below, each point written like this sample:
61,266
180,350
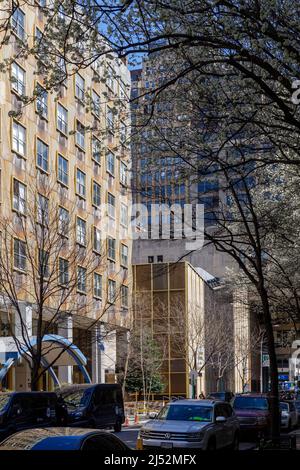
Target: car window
220,411
284,406
250,403
186,413
228,411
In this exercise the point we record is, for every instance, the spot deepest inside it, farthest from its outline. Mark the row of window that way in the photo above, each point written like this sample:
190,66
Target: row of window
20,263
18,27
19,86
19,201
43,159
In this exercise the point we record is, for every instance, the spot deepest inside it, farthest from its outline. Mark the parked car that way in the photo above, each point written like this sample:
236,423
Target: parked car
197,424
224,396
62,438
289,415
297,405
94,406
253,412
23,410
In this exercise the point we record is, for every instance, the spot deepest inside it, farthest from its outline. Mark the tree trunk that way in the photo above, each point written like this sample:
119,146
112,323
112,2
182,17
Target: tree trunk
35,377
274,398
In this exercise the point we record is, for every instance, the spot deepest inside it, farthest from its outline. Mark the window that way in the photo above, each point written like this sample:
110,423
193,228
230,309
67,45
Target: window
110,79
96,66
111,201
81,231
124,255
63,221
81,279
96,104
63,266
62,119
110,120
19,196
19,139
80,135
20,258
111,242
18,79
123,133
79,87
97,285
123,173
63,170
42,209
124,215
110,163
96,194
80,183
18,23
111,291
44,268
122,90
96,240
160,258
42,155
150,259
96,150
41,101
124,296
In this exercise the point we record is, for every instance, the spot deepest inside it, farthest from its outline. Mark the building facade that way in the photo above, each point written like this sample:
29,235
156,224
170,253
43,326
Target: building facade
58,152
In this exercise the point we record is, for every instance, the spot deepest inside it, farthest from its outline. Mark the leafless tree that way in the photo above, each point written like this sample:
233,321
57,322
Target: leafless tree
48,262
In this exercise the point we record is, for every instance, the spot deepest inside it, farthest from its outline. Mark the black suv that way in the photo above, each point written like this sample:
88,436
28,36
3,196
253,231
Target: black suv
24,410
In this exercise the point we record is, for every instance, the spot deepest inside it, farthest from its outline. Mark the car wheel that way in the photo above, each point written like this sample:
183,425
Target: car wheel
118,426
236,442
211,445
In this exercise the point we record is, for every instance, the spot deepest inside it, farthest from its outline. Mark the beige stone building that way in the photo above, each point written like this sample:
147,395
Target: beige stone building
60,152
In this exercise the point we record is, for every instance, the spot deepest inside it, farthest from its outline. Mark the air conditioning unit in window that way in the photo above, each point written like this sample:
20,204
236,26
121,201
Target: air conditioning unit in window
42,179
81,203
63,192
19,162
42,124
62,140
97,213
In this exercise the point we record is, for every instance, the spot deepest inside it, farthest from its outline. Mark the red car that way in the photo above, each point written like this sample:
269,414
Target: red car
253,412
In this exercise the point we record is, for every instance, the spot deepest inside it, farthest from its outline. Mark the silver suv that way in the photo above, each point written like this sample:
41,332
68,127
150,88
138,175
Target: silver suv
197,424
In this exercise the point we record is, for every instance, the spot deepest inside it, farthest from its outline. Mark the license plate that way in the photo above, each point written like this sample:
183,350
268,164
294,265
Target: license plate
166,445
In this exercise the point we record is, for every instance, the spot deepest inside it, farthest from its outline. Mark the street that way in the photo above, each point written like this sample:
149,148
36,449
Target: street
129,436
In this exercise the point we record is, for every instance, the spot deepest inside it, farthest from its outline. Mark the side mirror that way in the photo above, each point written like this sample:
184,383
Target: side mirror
153,415
220,419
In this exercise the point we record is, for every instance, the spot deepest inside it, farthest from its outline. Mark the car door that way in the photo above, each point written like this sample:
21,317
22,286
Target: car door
229,426
293,414
21,413
219,427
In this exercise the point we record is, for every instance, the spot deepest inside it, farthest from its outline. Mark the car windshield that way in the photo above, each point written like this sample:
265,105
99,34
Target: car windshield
250,403
4,399
284,406
186,413
77,398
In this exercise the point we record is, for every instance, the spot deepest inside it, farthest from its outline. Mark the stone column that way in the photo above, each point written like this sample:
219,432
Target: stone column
23,325
65,329
98,372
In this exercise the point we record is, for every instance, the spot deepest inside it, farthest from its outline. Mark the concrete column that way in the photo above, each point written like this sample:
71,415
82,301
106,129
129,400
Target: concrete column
96,355
109,355
25,322
65,329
